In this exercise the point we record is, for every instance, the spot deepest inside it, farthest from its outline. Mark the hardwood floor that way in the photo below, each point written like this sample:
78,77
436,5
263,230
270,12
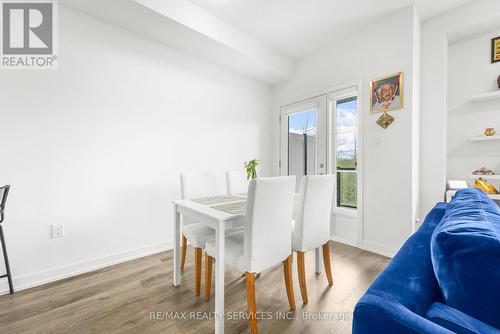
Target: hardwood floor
121,298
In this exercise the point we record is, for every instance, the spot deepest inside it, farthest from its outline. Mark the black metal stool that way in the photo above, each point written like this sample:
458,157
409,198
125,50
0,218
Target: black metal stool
4,191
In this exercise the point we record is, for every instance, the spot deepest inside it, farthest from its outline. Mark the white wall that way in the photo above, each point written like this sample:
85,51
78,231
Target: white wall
98,145
388,168
433,116
470,73
416,57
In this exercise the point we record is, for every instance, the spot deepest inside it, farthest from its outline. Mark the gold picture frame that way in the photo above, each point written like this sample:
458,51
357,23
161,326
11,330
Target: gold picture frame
386,93
495,49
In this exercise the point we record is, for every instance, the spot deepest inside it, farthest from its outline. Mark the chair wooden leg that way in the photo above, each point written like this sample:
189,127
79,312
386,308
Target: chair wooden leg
256,276
326,260
302,276
251,303
197,271
287,269
208,275
183,253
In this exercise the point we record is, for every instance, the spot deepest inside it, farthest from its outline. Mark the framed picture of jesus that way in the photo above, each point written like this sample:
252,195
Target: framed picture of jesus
387,93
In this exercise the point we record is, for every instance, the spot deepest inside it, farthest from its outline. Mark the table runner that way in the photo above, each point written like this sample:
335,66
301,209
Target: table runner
217,199
235,208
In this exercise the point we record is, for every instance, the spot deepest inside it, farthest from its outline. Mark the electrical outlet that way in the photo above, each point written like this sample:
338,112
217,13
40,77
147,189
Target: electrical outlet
57,231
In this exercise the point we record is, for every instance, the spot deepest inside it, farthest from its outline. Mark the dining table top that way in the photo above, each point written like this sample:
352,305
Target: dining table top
220,208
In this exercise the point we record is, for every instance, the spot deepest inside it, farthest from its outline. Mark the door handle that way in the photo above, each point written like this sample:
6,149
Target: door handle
321,166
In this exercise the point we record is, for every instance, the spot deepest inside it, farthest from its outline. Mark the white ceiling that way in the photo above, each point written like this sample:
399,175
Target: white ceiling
261,39
296,28
190,29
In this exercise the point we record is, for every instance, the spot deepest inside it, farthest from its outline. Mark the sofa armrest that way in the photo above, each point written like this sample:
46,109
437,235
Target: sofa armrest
409,278
377,314
457,321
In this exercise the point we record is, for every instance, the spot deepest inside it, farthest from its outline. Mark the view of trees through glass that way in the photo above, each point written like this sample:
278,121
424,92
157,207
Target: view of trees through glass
302,141
346,152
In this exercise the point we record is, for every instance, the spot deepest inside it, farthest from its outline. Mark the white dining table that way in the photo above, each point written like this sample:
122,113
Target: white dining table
220,221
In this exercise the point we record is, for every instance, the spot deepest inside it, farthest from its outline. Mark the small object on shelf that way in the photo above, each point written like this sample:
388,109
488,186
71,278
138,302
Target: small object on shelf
483,171
385,120
486,187
489,132
457,184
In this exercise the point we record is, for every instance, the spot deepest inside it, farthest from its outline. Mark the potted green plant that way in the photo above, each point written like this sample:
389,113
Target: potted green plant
250,168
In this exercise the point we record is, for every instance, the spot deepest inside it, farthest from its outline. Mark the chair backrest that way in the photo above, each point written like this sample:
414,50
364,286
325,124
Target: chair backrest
4,192
196,185
237,182
268,221
313,211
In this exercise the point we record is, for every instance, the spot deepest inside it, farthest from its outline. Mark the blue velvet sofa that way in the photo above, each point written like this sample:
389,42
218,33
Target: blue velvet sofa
445,278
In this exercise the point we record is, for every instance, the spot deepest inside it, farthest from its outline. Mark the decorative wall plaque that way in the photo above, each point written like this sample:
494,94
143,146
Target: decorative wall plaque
385,120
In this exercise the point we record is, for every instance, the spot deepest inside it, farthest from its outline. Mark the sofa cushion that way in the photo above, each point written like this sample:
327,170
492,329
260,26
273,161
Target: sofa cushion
456,321
465,251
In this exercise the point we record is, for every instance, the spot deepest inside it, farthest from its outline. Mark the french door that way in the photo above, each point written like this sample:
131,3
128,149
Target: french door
322,135
304,138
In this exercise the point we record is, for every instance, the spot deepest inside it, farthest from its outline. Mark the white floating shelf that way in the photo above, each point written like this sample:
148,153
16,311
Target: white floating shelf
486,96
485,177
483,138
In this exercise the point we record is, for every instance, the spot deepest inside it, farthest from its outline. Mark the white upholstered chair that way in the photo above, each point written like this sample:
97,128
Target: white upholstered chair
312,223
197,185
266,240
237,182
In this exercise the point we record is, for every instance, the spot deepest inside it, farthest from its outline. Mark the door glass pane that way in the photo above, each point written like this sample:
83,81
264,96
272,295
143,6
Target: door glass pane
346,152
302,144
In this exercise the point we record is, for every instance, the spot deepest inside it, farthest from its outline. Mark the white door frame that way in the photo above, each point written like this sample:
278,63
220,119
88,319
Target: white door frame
358,84
347,91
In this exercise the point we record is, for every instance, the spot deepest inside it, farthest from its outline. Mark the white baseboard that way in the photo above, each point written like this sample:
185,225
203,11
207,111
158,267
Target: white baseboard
378,248
58,273
344,240
366,245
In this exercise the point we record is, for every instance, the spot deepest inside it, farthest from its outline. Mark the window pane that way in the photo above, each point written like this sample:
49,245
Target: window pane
302,144
347,189
346,152
347,133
